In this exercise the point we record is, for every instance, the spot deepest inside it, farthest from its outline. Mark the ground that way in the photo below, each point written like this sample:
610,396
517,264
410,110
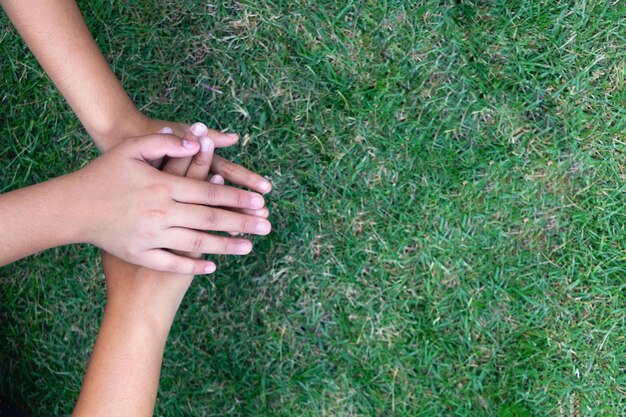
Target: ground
448,207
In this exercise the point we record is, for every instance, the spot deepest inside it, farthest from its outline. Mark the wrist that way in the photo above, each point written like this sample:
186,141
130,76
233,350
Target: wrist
133,316
64,211
114,129
149,297
79,215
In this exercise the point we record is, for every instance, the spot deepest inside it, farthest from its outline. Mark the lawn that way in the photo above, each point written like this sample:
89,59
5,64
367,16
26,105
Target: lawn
449,208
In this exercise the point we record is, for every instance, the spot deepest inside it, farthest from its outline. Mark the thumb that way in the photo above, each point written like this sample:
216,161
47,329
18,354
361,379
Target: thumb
152,147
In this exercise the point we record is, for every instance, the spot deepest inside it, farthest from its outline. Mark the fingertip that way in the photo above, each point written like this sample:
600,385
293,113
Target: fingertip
257,202
265,186
217,179
223,140
199,129
187,144
209,268
206,144
264,228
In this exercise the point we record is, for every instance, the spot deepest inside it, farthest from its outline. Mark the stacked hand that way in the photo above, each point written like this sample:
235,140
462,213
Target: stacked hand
124,205
147,292
141,306
137,212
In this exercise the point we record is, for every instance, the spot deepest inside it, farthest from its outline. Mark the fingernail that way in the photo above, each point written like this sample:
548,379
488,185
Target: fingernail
263,228
199,129
257,202
244,247
188,144
205,144
265,186
217,179
210,268
166,130
232,135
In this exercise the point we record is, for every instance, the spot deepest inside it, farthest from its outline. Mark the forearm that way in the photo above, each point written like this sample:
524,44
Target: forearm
38,217
57,35
123,374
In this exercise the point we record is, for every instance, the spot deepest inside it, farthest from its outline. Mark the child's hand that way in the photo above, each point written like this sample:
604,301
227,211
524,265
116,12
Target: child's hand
135,211
231,172
132,285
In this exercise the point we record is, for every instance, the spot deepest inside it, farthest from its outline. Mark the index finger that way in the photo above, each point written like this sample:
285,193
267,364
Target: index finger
188,190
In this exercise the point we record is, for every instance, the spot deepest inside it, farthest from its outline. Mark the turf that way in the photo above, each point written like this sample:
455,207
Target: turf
448,207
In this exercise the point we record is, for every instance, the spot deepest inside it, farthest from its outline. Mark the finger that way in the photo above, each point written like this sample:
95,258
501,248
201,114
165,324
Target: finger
264,212
166,131
222,140
201,162
239,175
188,190
217,179
165,261
179,166
215,219
194,241
153,147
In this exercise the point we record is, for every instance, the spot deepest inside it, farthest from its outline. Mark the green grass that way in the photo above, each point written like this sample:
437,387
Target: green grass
449,208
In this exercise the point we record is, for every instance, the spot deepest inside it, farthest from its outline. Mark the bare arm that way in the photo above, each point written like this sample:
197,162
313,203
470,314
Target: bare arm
57,35
123,374
40,217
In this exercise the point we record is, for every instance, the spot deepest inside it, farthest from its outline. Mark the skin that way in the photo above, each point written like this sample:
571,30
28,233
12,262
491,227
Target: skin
123,374
57,35
124,205
124,192
59,212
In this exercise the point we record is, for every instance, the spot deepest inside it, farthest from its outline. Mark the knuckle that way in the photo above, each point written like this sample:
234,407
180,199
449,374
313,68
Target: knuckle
158,188
211,193
244,224
251,178
197,242
228,168
230,246
199,163
210,218
155,213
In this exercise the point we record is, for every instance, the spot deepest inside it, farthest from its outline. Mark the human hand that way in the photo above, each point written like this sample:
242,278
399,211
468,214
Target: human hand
132,286
147,292
135,212
235,174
